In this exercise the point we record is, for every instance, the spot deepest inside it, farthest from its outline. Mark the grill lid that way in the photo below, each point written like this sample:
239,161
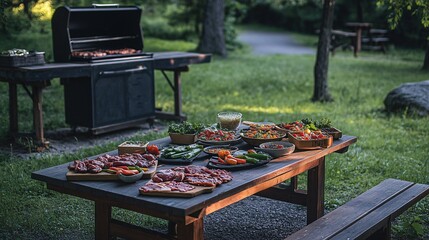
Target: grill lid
78,29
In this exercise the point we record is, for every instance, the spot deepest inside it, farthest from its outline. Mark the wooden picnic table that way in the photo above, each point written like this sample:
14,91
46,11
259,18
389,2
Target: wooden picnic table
186,215
38,77
358,27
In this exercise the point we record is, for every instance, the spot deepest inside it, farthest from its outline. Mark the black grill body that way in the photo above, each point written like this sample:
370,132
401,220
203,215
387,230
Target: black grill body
120,90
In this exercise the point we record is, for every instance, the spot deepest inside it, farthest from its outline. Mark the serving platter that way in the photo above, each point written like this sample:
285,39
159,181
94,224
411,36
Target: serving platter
273,135
208,149
104,176
213,164
178,160
229,142
192,193
162,159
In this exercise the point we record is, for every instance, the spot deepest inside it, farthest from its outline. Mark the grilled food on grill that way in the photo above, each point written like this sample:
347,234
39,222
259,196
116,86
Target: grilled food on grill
104,52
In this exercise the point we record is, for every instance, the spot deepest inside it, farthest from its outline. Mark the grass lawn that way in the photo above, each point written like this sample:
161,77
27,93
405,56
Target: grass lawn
264,88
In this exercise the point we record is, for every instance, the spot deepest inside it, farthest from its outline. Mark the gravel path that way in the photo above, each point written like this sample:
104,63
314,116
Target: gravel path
255,218
269,43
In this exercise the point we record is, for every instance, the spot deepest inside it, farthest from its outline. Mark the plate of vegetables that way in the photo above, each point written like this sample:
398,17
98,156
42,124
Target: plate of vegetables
240,160
180,154
214,150
256,136
214,136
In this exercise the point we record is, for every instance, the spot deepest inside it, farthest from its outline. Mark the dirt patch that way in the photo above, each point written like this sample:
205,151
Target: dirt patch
67,140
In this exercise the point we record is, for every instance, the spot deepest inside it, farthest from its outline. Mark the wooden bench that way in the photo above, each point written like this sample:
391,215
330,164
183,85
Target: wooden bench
376,39
367,216
341,39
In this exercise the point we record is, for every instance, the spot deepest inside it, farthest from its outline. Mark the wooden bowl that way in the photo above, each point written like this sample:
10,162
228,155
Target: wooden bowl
132,147
184,139
131,178
334,132
311,144
288,148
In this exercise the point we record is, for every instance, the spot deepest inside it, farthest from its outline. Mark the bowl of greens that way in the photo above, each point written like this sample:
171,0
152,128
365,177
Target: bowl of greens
184,132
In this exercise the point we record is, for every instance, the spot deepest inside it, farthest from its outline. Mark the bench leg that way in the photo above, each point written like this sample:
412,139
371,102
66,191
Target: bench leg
315,192
382,234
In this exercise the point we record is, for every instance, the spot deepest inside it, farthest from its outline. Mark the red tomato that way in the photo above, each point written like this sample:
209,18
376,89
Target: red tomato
153,149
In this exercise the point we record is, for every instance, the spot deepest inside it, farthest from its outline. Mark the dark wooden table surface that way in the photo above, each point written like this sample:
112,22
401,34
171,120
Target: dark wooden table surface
38,77
186,216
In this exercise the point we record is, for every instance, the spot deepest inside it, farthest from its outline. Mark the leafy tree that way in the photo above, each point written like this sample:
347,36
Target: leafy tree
417,7
13,23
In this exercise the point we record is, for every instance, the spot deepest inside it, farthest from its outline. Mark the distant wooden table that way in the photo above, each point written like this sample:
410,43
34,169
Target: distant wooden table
186,215
358,28
39,77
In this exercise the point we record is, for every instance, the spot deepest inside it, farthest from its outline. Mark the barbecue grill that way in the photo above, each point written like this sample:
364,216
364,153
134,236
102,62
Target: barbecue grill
120,91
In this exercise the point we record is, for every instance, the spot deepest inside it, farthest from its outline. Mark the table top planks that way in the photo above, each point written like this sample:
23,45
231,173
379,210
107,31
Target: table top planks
126,193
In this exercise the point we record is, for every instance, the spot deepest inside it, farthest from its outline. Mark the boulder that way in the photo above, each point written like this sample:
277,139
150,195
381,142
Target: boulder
410,97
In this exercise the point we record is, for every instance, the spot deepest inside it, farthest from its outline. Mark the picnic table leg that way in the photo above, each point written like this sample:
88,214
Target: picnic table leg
177,94
358,42
192,231
13,109
315,191
103,213
176,86
38,113
172,228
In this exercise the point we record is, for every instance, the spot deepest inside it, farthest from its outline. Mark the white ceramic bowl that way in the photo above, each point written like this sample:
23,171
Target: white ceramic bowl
288,148
131,178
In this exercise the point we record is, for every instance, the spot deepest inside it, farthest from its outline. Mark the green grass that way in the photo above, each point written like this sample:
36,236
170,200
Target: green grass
263,88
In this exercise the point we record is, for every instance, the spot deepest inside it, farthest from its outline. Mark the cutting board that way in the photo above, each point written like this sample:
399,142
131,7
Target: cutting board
103,176
194,192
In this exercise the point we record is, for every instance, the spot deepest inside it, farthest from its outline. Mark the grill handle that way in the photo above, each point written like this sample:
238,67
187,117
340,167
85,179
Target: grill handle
96,5
132,70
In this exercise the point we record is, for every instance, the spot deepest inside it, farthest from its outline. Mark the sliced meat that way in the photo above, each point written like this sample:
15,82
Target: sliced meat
168,175
166,187
180,186
106,161
80,167
202,180
221,174
93,168
72,165
155,187
148,156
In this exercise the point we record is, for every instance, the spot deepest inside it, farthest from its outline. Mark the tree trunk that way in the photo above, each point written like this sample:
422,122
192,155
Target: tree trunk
321,92
359,10
213,38
426,62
